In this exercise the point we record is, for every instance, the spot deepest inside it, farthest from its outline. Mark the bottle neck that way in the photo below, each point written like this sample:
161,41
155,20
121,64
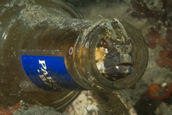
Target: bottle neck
104,56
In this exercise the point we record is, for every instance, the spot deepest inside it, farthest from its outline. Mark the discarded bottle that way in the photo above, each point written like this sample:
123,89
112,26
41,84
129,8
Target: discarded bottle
48,54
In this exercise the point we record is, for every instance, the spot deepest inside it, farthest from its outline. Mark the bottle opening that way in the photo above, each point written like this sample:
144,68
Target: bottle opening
113,53
106,56
111,63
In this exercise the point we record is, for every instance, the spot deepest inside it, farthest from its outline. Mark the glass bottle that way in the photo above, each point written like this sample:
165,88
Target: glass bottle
48,53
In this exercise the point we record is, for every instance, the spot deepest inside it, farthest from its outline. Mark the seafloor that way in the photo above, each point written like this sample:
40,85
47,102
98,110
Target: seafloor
152,94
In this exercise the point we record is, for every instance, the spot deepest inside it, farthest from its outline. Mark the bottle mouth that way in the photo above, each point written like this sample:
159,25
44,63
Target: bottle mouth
111,60
112,50
117,61
108,58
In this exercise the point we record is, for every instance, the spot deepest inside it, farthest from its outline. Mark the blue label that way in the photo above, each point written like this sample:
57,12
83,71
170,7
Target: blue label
48,72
